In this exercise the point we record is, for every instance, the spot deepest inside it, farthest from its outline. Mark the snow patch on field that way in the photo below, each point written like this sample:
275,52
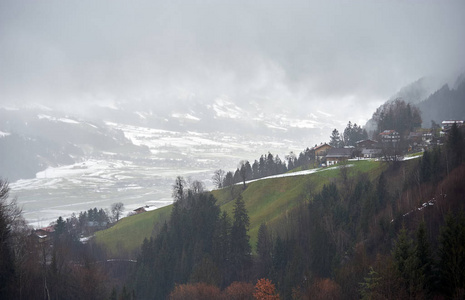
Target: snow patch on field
226,109
300,173
64,120
185,116
3,134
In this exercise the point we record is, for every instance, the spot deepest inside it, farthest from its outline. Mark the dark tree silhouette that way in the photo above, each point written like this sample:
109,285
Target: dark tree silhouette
240,246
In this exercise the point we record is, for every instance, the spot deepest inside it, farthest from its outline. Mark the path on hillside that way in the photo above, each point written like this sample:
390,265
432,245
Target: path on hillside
299,173
321,169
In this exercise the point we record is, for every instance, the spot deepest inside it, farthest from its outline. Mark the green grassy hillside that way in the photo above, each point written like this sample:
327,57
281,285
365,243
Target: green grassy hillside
127,235
267,201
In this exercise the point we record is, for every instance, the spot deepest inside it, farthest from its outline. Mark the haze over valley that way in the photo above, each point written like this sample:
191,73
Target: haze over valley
185,149
70,163
60,162
110,101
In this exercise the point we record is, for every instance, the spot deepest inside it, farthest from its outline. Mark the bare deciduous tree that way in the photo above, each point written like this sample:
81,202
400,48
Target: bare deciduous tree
116,210
197,187
218,178
178,189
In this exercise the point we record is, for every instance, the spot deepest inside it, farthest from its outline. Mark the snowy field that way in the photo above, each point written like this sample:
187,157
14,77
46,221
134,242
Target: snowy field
105,178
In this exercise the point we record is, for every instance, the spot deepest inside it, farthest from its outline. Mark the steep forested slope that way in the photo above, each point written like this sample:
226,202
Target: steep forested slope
444,104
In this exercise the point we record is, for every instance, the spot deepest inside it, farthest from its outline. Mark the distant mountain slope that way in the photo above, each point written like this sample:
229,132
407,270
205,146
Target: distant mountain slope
417,91
436,101
444,104
34,139
50,138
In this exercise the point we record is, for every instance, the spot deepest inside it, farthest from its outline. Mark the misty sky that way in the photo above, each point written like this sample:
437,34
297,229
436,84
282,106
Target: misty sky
338,57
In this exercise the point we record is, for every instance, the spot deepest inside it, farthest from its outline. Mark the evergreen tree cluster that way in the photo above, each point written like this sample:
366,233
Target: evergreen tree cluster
351,135
415,270
268,165
92,219
437,160
397,115
198,244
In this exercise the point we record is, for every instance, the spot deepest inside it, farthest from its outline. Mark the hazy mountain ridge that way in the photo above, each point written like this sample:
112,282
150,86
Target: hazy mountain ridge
434,98
36,139
220,115
418,91
44,137
132,152
444,104
51,138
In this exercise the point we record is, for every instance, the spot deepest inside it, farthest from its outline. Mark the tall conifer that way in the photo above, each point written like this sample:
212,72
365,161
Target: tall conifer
240,246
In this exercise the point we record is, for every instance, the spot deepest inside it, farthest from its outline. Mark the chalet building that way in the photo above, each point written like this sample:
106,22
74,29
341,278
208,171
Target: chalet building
139,210
390,137
427,137
336,155
45,230
371,153
42,235
321,150
447,125
366,144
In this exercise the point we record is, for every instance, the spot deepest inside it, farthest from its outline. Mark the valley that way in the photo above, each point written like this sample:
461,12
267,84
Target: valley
105,177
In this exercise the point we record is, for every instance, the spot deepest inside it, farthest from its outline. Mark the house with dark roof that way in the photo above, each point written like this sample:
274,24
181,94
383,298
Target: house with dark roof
366,144
321,150
336,155
139,210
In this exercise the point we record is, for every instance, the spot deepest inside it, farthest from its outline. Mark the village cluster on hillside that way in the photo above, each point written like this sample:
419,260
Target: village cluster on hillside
387,145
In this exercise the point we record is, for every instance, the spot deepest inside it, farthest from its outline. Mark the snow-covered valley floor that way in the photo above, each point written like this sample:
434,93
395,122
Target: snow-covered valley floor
104,178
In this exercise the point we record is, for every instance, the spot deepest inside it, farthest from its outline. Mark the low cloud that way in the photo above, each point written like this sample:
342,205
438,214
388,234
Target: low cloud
279,54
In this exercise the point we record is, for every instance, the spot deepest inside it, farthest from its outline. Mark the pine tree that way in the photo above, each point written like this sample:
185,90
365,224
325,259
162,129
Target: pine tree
240,246
423,259
382,191
404,259
221,245
455,146
264,250
255,170
452,255
178,189
348,134
425,167
369,286
279,258
335,139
